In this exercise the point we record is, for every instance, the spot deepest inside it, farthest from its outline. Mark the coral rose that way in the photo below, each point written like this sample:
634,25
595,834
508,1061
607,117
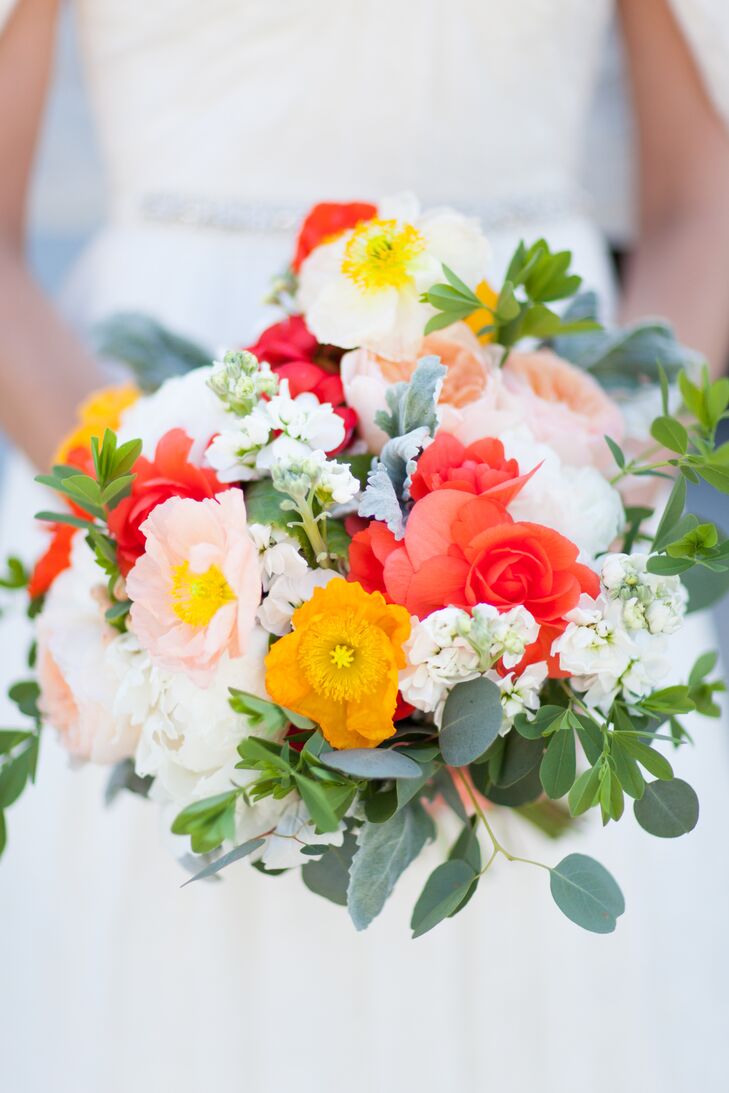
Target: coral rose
473,399
196,588
460,550
170,474
327,220
480,468
564,407
340,665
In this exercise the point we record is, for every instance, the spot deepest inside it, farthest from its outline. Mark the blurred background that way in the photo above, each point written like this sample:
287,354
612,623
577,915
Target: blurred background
67,200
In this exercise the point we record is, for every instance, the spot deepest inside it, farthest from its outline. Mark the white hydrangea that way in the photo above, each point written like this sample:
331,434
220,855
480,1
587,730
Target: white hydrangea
603,657
649,601
502,635
520,693
578,502
283,428
288,591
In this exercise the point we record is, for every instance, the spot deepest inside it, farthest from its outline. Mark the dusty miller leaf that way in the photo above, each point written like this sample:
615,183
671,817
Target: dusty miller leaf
413,404
380,501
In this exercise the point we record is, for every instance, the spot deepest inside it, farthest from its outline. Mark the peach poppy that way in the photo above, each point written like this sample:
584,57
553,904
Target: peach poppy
196,588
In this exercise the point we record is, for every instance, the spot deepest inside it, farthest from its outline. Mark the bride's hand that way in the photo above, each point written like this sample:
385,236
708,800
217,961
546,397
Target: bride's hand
44,371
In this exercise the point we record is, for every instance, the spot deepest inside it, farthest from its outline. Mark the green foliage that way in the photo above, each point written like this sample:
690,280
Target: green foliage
153,353
19,750
446,889
472,718
536,276
372,763
237,854
124,777
383,853
208,822
586,893
16,575
667,809
412,405
260,712
328,875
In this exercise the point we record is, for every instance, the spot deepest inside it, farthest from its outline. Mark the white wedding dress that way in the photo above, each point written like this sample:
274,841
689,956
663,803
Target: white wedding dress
219,122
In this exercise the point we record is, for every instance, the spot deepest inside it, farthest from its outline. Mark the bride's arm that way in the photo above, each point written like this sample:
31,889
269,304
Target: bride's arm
680,266
44,371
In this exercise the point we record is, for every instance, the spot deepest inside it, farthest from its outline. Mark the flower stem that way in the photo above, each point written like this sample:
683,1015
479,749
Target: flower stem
497,846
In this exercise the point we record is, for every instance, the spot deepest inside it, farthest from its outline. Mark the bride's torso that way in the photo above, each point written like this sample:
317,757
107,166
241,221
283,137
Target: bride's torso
220,122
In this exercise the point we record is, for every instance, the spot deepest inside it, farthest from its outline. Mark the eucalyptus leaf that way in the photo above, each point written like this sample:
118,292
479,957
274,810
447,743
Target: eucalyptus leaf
472,719
667,809
225,860
372,763
153,353
328,876
586,893
383,853
445,889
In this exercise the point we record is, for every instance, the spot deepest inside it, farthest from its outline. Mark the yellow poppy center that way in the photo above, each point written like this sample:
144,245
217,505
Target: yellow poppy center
379,253
197,596
343,657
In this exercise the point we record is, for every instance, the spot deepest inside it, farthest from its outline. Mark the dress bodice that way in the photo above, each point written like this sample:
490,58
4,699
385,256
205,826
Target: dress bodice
473,101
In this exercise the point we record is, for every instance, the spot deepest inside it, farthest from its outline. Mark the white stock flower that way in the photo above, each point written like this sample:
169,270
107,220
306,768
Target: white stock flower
578,502
603,657
504,634
364,287
279,553
439,655
520,693
283,428
649,601
287,592
332,482
183,402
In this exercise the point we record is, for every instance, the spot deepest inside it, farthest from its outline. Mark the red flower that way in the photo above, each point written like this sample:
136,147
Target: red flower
291,349
480,468
368,553
170,475
285,342
53,561
326,220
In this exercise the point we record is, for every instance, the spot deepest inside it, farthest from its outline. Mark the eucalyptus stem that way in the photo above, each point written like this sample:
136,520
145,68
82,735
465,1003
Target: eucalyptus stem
498,848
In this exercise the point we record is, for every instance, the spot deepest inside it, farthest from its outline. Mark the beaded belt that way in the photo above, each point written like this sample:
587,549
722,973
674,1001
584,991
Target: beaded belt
246,217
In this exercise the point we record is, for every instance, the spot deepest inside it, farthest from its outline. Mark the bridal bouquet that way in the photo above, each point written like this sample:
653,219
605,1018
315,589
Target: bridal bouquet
414,558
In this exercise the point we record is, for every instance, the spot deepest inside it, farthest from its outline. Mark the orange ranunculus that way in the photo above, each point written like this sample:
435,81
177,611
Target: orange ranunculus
53,561
479,468
170,474
368,552
101,410
460,550
327,220
490,298
340,664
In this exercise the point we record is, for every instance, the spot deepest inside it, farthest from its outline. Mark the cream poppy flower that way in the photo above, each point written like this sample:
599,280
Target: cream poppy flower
364,287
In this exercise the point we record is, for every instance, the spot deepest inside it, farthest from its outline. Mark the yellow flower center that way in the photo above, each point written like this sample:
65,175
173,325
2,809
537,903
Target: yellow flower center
197,596
379,253
344,657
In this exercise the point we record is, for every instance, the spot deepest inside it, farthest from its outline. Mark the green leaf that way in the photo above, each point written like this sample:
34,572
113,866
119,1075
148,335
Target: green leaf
152,352
383,853
260,712
519,757
14,774
253,750
445,889
3,833
372,763
533,728
10,738
716,475
472,718
670,433
320,803
586,893
63,518
585,791
557,771
208,822
652,760
671,514
25,695
705,587
704,665
671,700
617,452
667,809
626,769
263,504
237,854
328,876
523,792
